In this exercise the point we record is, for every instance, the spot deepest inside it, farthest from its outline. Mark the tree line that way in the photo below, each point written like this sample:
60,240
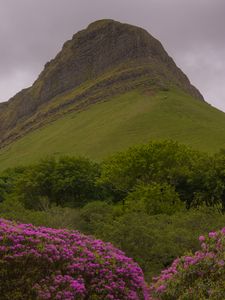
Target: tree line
153,177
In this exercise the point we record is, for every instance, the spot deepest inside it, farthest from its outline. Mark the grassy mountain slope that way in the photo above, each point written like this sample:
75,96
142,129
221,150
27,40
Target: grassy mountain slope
134,117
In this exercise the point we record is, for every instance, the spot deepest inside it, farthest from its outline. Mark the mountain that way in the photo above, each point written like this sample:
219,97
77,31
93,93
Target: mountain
111,85
107,58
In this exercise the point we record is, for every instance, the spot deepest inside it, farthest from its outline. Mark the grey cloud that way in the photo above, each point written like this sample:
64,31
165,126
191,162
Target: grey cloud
192,31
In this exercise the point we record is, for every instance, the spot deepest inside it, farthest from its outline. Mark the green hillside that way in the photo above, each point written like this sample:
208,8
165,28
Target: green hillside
134,117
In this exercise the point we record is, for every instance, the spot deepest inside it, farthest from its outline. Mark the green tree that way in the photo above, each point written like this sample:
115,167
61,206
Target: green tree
65,182
215,184
75,181
36,184
161,162
154,199
7,181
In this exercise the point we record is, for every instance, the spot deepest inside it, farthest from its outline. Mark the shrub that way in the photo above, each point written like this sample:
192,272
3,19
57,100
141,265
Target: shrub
43,263
195,276
155,241
154,199
94,215
56,216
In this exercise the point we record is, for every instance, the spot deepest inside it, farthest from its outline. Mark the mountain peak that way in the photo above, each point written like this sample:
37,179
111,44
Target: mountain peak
107,44
101,23
106,58
110,23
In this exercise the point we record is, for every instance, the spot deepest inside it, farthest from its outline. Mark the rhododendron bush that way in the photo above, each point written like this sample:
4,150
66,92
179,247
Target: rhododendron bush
43,263
196,276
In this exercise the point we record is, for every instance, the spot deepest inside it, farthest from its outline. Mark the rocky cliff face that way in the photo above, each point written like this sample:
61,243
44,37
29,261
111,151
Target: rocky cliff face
106,58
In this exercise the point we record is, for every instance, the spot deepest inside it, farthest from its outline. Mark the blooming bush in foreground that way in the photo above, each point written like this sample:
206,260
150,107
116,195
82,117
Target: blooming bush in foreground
43,263
197,276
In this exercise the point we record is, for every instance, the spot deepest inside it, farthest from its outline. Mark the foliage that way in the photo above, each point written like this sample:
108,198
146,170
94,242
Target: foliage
153,241
66,182
7,181
56,216
196,178
157,162
94,215
44,263
195,276
154,199
209,182
3,188
217,178
135,199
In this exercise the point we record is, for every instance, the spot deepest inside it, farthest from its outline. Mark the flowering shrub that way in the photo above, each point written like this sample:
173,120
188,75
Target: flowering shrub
197,276
43,263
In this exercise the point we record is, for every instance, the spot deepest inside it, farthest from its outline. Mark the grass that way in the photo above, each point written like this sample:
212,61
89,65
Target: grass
123,121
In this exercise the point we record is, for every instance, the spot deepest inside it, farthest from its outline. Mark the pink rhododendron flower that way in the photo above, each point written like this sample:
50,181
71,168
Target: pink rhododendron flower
57,264
190,277
201,238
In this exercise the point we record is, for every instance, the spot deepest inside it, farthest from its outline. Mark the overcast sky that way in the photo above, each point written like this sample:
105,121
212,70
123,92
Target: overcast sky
192,32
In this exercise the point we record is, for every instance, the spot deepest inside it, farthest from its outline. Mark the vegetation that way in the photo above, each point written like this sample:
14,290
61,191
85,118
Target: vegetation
132,118
53,264
152,201
67,182
196,276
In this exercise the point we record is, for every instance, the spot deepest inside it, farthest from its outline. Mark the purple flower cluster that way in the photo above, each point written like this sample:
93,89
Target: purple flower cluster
195,276
45,264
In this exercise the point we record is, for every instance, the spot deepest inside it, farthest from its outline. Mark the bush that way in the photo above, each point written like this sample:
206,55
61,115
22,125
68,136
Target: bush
43,263
195,276
94,215
56,216
154,199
